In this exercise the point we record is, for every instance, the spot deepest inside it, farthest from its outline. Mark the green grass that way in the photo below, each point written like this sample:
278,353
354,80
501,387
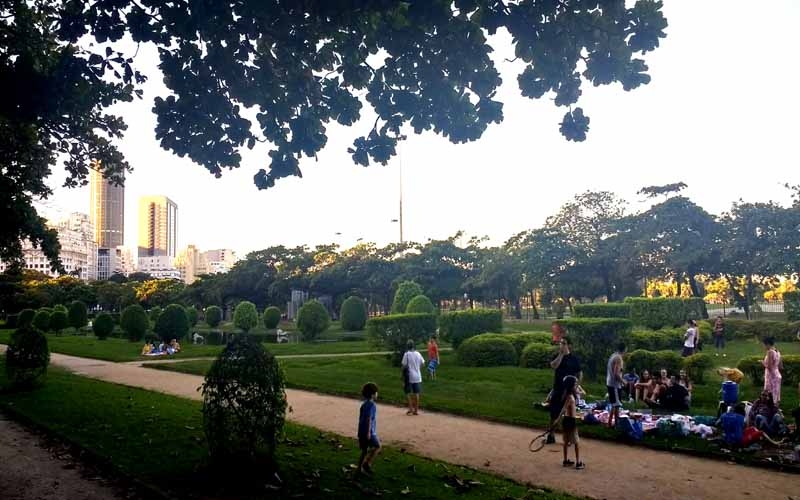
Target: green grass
154,437
738,349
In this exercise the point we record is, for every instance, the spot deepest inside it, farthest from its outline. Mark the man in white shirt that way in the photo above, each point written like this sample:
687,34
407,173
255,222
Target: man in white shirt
412,376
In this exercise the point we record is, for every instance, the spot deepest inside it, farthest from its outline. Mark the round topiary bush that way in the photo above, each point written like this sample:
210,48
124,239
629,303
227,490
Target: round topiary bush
538,355
478,351
312,319
213,316
154,314
41,320
192,315
405,292
58,321
61,307
244,406
134,322
420,305
272,317
697,365
78,315
353,314
172,323
27,357
103,326
25,317
245,317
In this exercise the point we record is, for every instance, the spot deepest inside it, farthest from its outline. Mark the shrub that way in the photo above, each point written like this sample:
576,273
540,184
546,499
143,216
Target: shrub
26,317
213,316
782,331
751,366
172,323
192,315
654,361
393,331
62,308
353,314
656,340
245,316
697,365
58,321
78,315
791,304
405,292
610,310
594,339
27,357
457,326
103,326
312,319
244,407
486,351
656,313
154,314
520,340
134,322
537,355
215,337
272,317
420,305
12,321
41,320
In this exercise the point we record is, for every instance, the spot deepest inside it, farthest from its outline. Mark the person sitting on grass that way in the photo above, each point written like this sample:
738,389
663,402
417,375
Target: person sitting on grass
176,346
732,424
766,416
660,383
631,378
569,423
674,397
146,349
643,388
683,379
368,440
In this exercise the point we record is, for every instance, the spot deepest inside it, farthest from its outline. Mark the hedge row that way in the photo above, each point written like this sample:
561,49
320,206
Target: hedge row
536,355
610,310
670,312
483,350
457,326
393,331
751,366
653,361
594,339
520,340
782,331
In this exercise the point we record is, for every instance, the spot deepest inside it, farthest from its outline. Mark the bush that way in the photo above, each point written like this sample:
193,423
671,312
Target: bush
405,292
656,313
353,314
537,355
154,314
215,337
782,331
244,407
12,320
610,310
791,304
656,341
393,331
521,340
752,368
272,317
245,316
594,339
697,365
26,317
457,326
134,322
653,361
420,305
41,320
62,308
103,326
58,321
172,323
192,315
27,357
213,316
78,315
312,319
486,351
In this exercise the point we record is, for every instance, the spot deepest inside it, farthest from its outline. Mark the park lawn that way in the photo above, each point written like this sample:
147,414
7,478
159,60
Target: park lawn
740,348
151,436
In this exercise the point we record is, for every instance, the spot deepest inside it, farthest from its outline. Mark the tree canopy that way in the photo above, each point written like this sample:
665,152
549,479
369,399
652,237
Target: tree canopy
296,67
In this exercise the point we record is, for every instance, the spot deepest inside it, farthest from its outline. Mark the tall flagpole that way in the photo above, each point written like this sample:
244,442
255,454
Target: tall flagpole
400,155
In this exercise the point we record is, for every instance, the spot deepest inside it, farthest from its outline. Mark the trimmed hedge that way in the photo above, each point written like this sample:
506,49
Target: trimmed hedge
791,304
406,291
751,366
656,341
172,323
695,308
653,361
520,340
393,331
783,331
192,315
41,320
537,355
77,315
594,339
213,316
134,322
272,317
215,337
697,365
27,357
663,312
25,317
457,326
103,325
420,305
245,316
610,310
312,319
353,314
486,351
58,321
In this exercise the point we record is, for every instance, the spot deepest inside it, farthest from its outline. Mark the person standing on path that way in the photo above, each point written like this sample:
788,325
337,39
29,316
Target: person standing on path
413,362
772,372
565,364
719,336
567,419
614,382
690,339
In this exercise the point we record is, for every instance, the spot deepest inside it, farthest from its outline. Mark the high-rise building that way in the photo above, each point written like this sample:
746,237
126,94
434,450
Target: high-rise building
193,263
112,261
158,227
106,211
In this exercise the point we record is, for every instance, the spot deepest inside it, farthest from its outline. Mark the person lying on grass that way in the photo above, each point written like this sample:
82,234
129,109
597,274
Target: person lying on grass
368,440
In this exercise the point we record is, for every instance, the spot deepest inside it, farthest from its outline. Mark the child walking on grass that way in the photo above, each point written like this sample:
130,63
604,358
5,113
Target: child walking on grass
568,422
433,357
368,428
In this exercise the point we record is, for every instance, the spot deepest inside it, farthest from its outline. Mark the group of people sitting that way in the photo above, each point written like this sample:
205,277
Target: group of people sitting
660,390
163,349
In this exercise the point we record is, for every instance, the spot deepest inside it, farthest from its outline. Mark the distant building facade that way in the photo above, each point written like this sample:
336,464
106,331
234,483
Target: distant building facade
193,263
159,267
158,227
111,261
106,211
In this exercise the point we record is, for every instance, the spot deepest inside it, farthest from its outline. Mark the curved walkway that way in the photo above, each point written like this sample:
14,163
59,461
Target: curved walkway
613,471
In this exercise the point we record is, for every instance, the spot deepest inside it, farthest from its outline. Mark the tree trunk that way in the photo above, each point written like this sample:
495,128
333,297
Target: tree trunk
679,282
517,308
533,305
693,285
748,296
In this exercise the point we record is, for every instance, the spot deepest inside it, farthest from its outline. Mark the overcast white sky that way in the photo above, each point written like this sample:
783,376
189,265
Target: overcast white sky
720,114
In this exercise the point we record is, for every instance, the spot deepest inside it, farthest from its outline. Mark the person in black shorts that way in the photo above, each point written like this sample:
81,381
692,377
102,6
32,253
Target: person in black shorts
565,364
568,421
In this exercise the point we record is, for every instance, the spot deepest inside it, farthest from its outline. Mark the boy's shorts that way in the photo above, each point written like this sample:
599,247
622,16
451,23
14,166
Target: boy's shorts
432,365
613,396
413,388
367,443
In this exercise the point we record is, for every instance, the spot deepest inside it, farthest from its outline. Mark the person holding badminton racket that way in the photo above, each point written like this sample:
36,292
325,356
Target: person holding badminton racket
568,422
565,364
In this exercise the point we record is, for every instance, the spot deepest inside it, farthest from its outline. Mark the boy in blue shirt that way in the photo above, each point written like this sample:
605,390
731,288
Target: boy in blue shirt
368,428
732,424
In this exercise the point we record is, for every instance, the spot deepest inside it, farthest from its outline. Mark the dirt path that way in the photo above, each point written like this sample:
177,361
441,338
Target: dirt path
613,471
29,471
158,360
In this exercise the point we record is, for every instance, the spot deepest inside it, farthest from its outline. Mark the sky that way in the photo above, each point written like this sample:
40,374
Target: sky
720,114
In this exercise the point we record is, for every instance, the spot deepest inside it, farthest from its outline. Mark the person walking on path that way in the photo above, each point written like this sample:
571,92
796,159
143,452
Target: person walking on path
433,357
719,336
614,382
772,372
368,440
690,339
412,363
568,423
565,364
